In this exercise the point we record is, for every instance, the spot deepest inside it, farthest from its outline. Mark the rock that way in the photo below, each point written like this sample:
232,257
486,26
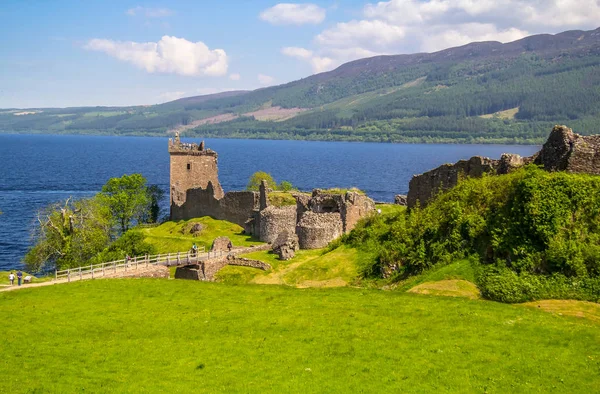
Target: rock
220,244
285,245
196,228
401,199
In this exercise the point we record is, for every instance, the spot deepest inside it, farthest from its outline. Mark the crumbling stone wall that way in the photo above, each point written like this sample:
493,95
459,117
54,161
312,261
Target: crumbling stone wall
275,220
567,151
237,207
563,151
355,207
197,202
425,186
244,262
316,230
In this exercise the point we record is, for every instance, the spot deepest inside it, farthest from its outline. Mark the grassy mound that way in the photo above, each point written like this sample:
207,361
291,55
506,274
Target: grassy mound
448,288
176,236
145,335
536,235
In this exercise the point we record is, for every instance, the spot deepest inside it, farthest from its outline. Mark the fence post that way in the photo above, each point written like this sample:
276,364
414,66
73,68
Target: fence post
92,268
80,275
188,257
55,274
178,258
103,265
135,262
146,258
69,275
168,259
115,264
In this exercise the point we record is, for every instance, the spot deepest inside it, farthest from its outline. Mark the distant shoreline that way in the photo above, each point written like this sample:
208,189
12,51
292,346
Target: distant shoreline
270,137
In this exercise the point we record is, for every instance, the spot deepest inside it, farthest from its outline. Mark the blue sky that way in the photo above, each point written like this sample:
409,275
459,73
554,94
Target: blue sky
85,53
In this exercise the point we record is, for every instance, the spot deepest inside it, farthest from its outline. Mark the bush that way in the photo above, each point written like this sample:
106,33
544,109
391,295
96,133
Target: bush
504,285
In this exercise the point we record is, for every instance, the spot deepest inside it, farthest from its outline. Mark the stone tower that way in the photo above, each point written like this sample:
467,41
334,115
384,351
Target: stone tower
194,176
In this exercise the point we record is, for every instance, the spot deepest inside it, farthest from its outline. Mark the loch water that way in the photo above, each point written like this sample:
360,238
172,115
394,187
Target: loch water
36,170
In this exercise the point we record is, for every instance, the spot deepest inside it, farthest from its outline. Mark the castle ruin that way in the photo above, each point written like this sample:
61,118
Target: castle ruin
316,218
563,151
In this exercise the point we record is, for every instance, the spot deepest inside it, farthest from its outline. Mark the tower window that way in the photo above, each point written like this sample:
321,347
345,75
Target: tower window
189,166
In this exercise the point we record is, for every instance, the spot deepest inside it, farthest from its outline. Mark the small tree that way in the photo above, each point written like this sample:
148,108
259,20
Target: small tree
127,198
286,186
155,196
257,178
68,234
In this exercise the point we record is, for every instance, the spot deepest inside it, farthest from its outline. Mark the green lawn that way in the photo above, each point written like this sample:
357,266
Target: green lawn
150,335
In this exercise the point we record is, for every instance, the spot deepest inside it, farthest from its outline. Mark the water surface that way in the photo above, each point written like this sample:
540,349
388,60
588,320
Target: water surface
36,170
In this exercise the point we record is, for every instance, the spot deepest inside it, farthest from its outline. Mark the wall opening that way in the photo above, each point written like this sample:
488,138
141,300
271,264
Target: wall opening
189,166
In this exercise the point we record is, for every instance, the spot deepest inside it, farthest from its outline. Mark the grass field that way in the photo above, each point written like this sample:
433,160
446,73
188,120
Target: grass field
150,335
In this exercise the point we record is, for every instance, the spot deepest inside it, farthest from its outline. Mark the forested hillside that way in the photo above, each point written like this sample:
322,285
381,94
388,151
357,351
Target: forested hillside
480,92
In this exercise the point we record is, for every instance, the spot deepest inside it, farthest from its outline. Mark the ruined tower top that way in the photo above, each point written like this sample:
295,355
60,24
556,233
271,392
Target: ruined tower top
193,171
176,147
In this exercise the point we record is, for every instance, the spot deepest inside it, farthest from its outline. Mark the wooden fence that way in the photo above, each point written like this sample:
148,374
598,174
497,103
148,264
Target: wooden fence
170,259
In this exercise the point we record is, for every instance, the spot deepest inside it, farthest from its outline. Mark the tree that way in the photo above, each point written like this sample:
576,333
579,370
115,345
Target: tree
155,196
127,199
68,234
257,178
285,186
132,243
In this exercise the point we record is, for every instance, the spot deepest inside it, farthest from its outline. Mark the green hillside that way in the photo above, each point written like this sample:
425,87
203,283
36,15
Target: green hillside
456,95
152,335
529,235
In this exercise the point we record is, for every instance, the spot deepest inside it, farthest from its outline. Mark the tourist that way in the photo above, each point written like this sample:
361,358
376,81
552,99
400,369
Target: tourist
19,277
11,278
229,246
194,249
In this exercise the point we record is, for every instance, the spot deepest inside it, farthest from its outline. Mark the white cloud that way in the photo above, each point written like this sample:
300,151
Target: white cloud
361,33
293,14
169,55
170,96
265,79
409,26
300,53
149,12
235,77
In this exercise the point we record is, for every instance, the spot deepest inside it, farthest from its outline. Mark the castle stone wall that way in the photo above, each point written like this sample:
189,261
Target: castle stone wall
275,220
356,206
567,151
316,230
563,151
237,207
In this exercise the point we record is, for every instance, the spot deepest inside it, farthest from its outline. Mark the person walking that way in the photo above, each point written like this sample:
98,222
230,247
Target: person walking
229,246
11,278
19,277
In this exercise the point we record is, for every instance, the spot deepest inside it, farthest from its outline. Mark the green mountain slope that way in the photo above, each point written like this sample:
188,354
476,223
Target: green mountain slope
480,92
